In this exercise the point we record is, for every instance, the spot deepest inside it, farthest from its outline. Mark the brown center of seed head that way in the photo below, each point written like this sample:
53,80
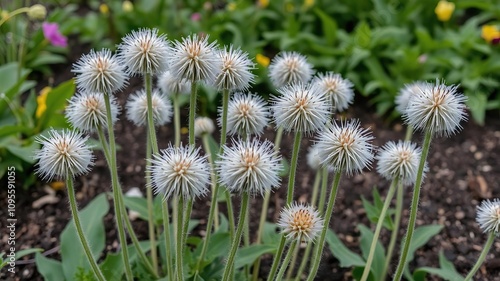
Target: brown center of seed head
181,168
302,221
346,138
404,156
438,99
250,159
102,65
497,211
331,85
63,148
92,104
301,103
145,46
244,109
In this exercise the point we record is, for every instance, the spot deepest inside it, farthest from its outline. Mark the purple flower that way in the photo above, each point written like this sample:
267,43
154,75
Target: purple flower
51,33
196,17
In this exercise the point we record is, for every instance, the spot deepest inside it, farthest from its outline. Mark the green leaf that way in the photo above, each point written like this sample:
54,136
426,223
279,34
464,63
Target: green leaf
137,204
379,256
91,218
329,26
248,255
112,267
446,271
46,58
218,246
11,83
24,152
373,210
346,257
362,35
56,100
269,234
421,236
26,252
50,269
477,101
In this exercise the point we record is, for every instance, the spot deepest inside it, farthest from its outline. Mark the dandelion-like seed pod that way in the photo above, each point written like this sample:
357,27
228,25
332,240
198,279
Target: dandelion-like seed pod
63,154
399,160
137,108
99,72
246,115
203,125
289,68
235,72
87,111
300,222
337,89
488,216
170,85
406,93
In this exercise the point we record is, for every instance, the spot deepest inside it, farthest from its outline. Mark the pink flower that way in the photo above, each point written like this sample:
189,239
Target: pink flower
196,17
51,33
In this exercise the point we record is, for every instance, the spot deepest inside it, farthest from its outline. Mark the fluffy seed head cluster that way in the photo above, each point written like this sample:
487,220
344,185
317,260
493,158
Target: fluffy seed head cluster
249,166
86,111
137,108
144,51
346,147
194,59
488,216
289,68
300,108
170,85
336,88
179,171
300,222
437,108
314,159
99,72
203,125
246,115
406,93
235,72
63,154
399,160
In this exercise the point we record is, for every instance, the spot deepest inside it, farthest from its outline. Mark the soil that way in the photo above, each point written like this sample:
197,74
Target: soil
463,171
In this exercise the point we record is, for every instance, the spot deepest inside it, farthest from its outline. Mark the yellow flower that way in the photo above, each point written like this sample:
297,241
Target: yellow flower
127,6
41,101
489,33
37,12
263,3
444,10
289,7
231,6
308,4
262,60
184,130
104,9
57,185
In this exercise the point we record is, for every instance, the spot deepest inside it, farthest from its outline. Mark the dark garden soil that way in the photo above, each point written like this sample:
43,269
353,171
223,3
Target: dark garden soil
464,169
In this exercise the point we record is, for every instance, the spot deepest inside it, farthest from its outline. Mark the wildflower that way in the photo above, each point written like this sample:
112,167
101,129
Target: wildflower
170,85
437,108
41,101
405,94
308,4
104,9
314,158
246,115
144,51
37,12
300,222
300,108
137,108
490,33
195,17
87,111
288,68
234,73
231,6
263,3
51,33
346,147
336,88
194,59
99,72
399,160
488,216
249,166
203,125
179,171
63,154
262,60
127,6
444,10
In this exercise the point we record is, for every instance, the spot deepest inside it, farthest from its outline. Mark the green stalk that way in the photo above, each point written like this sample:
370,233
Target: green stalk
395,231
168,245
482,257
149,196
79,229
317,180
293,167
414,207
292,264
192,111
117,193
237,236
187,217
316,257
263,213
130,230
378,228
277,258
14,13
180,238
177,119
286,261
409,133
324,184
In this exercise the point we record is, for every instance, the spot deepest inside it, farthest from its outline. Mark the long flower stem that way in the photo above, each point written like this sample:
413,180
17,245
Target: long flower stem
292,263
168,246
149,196
316,257
293,167
79,230
324,184
482,257
395,231
117,193
263,213
177,119
414,208
277,258
378,228
192,111
237,236
180,228
186,219
317,180
286,261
